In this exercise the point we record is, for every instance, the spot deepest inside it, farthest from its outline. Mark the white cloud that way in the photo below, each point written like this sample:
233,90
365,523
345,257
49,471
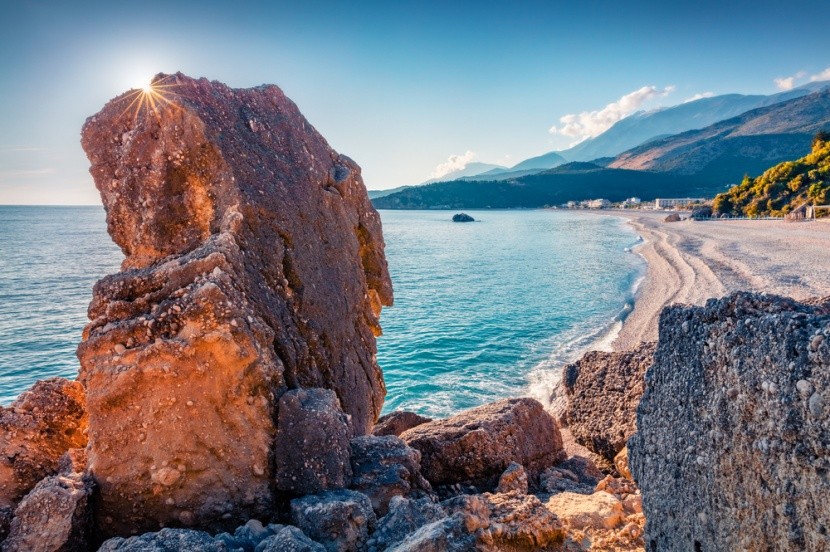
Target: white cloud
788,83
593,123
699,96
454,163
823,76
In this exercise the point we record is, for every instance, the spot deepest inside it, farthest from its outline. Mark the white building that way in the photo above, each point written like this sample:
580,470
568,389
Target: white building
598,204
663,203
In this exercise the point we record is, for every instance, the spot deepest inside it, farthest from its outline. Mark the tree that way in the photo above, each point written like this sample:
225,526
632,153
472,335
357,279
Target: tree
821,137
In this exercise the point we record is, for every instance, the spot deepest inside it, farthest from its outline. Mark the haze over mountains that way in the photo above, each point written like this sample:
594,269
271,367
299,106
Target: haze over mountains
697,148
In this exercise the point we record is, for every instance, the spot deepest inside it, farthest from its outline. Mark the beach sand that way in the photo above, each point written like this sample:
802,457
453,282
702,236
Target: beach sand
692,261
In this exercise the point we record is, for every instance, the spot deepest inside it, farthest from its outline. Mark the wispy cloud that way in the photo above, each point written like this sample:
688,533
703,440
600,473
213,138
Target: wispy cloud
823,76
454,163
23,174
593,123
699,96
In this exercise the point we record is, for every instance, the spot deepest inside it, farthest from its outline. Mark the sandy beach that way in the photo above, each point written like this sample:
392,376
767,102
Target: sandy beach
690,262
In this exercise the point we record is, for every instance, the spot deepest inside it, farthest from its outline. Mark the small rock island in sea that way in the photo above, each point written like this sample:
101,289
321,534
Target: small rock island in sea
462,217
229,396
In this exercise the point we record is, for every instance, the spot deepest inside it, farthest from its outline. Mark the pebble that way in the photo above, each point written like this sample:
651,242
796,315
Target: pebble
816,342
119,349
816,405
805,388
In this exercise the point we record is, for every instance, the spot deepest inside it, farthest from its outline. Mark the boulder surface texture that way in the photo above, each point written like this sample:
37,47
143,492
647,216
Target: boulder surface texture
35,431
477,445
733,434
254,263
603,391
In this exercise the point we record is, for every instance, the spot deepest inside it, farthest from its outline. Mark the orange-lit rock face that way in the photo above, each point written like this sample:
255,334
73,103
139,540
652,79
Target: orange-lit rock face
35,431
254,264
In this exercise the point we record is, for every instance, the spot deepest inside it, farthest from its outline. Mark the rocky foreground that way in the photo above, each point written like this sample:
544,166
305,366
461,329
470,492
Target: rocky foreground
228,397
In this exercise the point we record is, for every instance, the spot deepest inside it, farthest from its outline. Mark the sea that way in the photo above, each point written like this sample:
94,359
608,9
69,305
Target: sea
483,310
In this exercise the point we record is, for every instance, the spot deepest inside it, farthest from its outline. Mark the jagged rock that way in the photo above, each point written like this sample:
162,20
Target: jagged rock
289,539
448,534
621,463
166,540
73,460
674,217
384,467
254,264
339,520
576,474
35,431
54,517
247,537
514,478
520,522
404,518
478,444
728,453
462,217
397,422
487,522
312,442
598,510
603,391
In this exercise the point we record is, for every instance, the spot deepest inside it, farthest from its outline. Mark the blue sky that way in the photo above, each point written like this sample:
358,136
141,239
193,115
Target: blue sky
398,86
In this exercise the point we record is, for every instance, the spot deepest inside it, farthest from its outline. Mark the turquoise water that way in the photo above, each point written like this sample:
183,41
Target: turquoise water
482,310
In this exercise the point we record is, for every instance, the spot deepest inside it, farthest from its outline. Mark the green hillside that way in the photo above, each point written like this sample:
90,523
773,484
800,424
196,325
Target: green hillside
783,187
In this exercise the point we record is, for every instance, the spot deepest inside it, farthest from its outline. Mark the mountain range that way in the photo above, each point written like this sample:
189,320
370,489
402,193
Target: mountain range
696,148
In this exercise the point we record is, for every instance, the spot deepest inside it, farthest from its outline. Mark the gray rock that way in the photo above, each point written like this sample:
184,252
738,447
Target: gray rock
404,518
54,516
6,515
384,467
729,453
312,442
289,539
397,422
247,537
166,540
339,520
445,535
603,391
478,444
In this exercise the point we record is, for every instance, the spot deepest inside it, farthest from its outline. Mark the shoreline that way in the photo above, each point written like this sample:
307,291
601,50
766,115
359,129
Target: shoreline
690,262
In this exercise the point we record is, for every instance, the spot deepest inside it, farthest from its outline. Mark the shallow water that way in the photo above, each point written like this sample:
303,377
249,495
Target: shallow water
482,310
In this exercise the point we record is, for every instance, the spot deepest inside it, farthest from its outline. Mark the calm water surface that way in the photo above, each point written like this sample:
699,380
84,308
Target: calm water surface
482,310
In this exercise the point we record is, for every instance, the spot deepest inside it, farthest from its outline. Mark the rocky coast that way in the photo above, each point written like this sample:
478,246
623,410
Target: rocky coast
229,395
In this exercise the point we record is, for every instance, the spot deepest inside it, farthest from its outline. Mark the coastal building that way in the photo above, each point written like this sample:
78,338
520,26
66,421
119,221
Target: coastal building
598,204
664,203
572,205
633,201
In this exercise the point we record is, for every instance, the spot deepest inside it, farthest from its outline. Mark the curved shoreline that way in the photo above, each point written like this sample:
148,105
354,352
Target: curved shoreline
690,262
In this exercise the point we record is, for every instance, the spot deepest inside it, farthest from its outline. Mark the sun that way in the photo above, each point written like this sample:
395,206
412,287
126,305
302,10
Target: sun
149,95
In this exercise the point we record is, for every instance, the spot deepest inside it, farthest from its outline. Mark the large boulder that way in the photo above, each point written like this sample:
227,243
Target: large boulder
166,540
479,444
254,263
384,467
312,442
489,523
339,520
603,391
404,517
397,422
35,431
54,517
733,434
